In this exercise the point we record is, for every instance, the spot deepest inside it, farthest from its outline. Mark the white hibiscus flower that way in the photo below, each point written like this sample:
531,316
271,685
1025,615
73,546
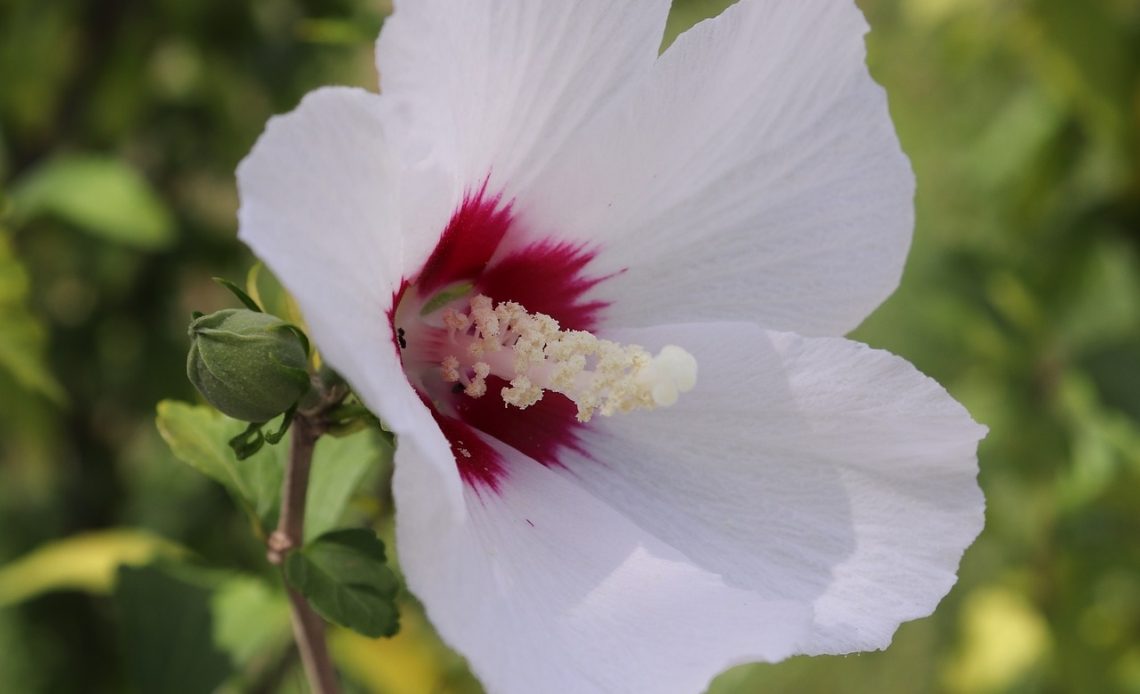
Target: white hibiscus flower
740,201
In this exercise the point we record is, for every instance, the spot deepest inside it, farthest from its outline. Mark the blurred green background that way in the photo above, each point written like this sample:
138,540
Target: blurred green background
121,122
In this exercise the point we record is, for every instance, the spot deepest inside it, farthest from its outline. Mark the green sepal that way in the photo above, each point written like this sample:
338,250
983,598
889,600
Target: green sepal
240,294
248,442
300,336
276,436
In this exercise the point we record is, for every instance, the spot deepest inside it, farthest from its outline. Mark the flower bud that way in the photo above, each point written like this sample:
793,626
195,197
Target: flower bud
252,366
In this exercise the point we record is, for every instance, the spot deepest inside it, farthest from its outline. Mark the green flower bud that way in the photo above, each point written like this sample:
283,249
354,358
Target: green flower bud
251,366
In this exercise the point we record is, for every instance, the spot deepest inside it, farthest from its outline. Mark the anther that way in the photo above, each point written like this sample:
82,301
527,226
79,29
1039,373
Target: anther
532,353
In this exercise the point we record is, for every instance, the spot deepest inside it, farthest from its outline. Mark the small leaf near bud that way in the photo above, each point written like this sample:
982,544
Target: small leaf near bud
251,366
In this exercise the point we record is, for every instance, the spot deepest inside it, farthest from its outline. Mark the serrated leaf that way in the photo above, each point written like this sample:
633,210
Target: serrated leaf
22,337
167,627
339,465
101,195
345,579
198,436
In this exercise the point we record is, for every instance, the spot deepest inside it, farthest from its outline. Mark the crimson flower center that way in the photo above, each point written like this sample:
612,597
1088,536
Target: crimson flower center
457,348
497,335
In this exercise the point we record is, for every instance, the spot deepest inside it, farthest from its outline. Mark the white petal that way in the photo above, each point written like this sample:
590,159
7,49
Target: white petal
320,204
501,84
809,469
755,175
544,588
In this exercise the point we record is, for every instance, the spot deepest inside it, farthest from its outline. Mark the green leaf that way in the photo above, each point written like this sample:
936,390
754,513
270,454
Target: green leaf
198,436
101,195
228,626
339,465
344,577
1025,126
22,337
337,32
250,618
167,627
81,562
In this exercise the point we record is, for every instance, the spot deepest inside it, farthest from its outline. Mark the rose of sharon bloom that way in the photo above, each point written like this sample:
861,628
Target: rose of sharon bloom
598,294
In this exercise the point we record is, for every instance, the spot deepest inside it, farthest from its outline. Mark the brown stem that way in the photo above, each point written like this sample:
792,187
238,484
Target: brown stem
308,627
309,632
290,532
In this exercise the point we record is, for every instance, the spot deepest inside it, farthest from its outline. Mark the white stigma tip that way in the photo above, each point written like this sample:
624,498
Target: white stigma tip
665,394
533,354
679,366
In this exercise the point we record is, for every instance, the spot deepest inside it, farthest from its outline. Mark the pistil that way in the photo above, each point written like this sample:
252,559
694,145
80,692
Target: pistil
534,355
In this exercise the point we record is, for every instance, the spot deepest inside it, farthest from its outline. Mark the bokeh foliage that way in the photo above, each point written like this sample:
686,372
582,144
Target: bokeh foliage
1022,295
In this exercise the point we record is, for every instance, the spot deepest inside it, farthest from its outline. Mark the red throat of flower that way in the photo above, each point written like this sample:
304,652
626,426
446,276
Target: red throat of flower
495,334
